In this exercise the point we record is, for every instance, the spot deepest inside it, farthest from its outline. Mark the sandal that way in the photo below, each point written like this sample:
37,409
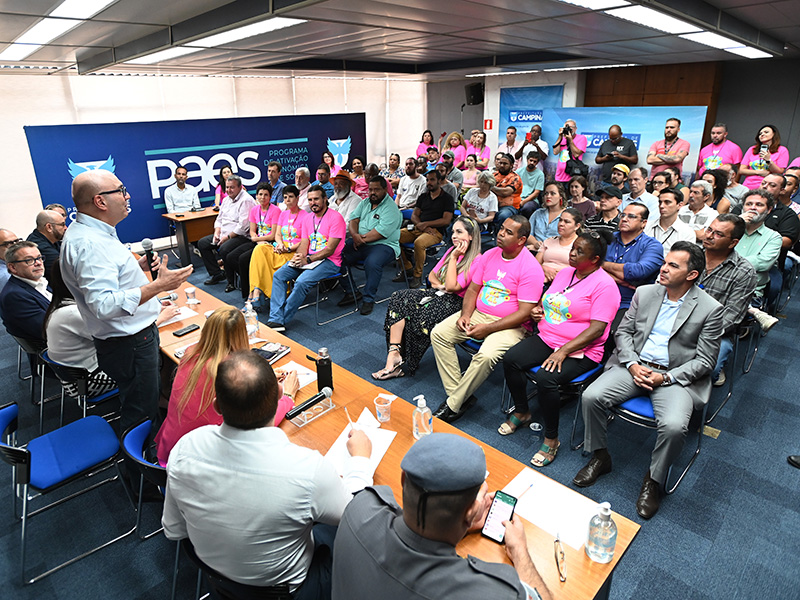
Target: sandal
512,424
547,455
395,371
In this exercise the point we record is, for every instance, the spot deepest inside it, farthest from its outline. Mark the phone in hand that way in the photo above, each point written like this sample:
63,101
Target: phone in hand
528,137
502,509
764,148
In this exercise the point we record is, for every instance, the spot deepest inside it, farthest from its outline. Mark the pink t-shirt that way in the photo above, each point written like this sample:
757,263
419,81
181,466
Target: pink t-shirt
422,149
580,142
289,226
460,154
505,283
751,160
265,220
570,304
555,255
361,187
794,163
484,154
335,170
319,231
713,157
658,147
464,277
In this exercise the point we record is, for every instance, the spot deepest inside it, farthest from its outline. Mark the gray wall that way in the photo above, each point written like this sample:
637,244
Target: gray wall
444,108
757,92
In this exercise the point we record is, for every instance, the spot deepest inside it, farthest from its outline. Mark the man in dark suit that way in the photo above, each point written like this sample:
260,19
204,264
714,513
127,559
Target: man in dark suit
50,229
25,298
667,345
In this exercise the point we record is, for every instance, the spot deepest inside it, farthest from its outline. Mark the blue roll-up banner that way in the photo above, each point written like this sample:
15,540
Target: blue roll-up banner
522,107
145,155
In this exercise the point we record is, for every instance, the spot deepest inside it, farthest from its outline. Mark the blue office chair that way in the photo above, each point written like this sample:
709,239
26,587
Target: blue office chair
639,411
75,452
346,279
578,384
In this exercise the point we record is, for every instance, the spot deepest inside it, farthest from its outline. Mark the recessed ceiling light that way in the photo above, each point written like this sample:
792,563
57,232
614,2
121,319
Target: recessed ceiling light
749,52
80,9
162,55
240,33
504,73
597,4
714,40
653,19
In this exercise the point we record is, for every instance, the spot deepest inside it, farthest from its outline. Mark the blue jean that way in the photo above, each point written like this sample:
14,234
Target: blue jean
374,257
502,214
283,309
725,349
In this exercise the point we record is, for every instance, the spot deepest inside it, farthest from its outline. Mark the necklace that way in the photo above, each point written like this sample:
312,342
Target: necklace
570,286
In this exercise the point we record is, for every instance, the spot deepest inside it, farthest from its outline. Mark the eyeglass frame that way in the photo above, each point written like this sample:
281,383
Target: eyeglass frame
121,189
9,243
29,262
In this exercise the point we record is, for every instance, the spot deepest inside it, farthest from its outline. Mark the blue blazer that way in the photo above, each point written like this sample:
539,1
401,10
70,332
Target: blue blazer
23,309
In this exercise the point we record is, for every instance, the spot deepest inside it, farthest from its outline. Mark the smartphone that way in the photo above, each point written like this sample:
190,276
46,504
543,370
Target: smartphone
502,509
764,147
528,137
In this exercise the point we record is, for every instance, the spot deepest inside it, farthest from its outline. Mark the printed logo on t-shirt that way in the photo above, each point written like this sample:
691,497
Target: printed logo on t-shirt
713,162
564,156
316,242
289,234
264,229
556,308
494,293
758,165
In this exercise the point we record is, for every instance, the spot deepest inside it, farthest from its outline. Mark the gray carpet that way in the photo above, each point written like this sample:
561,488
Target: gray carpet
731,530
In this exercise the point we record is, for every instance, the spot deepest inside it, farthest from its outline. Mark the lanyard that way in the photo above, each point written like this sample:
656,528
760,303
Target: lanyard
618,256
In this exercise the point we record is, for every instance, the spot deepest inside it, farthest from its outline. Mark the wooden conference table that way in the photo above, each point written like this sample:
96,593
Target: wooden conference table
585,578
190,227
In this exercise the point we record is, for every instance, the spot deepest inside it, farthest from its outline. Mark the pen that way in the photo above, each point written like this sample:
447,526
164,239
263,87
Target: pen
352,425
525,492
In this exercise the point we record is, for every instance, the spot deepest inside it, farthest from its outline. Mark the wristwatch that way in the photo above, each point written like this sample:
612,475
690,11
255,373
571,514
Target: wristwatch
667,379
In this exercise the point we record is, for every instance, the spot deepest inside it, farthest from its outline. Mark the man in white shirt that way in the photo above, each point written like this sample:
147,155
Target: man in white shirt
537,141
637,181
669,228
344,198
302,179
231,229
247,498
412,184
511,146
697,214
181,196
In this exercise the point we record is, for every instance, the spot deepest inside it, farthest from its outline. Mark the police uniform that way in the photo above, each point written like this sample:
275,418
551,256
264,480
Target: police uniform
376,554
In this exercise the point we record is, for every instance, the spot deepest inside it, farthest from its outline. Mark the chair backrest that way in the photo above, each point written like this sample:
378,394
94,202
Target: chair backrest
30,346
133,443
18,458
67,375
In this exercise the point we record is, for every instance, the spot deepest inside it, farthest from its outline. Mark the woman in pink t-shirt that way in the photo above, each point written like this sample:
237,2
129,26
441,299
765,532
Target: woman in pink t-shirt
482,151
767,156
193,389
412,314
360,183
425,142
455,143
554,252
219,193
329,159
573,320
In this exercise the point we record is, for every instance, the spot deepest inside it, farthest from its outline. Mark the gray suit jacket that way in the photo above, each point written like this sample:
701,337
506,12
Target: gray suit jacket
693,343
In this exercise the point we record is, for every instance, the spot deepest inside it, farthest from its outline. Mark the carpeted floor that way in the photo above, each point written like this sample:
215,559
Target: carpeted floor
731,530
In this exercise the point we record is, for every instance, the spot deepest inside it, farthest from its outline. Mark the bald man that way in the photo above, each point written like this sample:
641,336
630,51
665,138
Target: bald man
7,238
51,226
114,296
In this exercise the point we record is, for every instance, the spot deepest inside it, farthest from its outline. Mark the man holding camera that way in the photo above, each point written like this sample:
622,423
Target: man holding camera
570,144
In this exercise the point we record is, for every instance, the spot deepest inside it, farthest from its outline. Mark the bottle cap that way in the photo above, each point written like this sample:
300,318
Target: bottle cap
323,353
605,509
420,400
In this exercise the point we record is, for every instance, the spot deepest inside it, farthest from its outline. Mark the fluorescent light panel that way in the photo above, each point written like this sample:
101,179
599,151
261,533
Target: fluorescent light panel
591,67
48,29
162,55
597,4
505,73
241,33
713,40
653,19
749,52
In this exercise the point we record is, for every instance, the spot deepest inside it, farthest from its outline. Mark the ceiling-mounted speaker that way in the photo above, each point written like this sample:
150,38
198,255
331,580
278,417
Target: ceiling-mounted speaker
474,93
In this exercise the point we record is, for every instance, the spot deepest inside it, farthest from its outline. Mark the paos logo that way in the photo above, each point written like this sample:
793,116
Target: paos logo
340,150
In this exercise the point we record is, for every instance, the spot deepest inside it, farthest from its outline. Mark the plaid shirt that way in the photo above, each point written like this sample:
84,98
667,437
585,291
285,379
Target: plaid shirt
731,283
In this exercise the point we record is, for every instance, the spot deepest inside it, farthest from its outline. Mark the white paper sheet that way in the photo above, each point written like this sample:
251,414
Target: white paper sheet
304,374
552,507
184,313
381,440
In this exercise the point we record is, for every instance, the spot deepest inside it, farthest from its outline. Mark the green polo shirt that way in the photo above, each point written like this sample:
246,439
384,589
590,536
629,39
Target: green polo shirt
761,249
384,218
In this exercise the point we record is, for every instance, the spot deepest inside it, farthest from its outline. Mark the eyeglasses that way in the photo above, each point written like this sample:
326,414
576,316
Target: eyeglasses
715,233
58,224
8,243
629,216
30,261
120,190
591,233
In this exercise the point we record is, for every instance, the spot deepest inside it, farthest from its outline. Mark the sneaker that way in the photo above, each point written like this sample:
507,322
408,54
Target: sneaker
721,379
764,319
276,326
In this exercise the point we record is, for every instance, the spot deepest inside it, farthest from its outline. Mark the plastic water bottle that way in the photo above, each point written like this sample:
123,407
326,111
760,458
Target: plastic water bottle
421,418
324,370
602,535
250,320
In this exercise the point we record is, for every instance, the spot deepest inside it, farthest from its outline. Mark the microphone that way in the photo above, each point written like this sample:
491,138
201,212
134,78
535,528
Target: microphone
168,297
147,246
324,393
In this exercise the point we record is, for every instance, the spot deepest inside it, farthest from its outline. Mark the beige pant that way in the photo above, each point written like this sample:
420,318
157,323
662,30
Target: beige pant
421,241
444,338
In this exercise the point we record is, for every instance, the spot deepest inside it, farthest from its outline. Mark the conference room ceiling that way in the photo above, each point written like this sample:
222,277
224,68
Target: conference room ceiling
413,39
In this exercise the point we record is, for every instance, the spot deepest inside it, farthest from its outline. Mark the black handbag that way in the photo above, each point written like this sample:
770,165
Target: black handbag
575,167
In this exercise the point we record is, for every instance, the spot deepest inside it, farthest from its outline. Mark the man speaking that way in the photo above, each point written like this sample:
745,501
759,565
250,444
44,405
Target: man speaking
115,298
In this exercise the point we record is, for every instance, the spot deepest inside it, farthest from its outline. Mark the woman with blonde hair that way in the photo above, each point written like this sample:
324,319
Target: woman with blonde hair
412,314
190,403
455,143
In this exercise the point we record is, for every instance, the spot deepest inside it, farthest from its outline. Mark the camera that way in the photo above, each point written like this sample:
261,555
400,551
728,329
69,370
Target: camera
567,130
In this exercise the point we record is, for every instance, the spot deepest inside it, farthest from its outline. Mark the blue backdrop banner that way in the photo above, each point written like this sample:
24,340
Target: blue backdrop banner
522,107
144,156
